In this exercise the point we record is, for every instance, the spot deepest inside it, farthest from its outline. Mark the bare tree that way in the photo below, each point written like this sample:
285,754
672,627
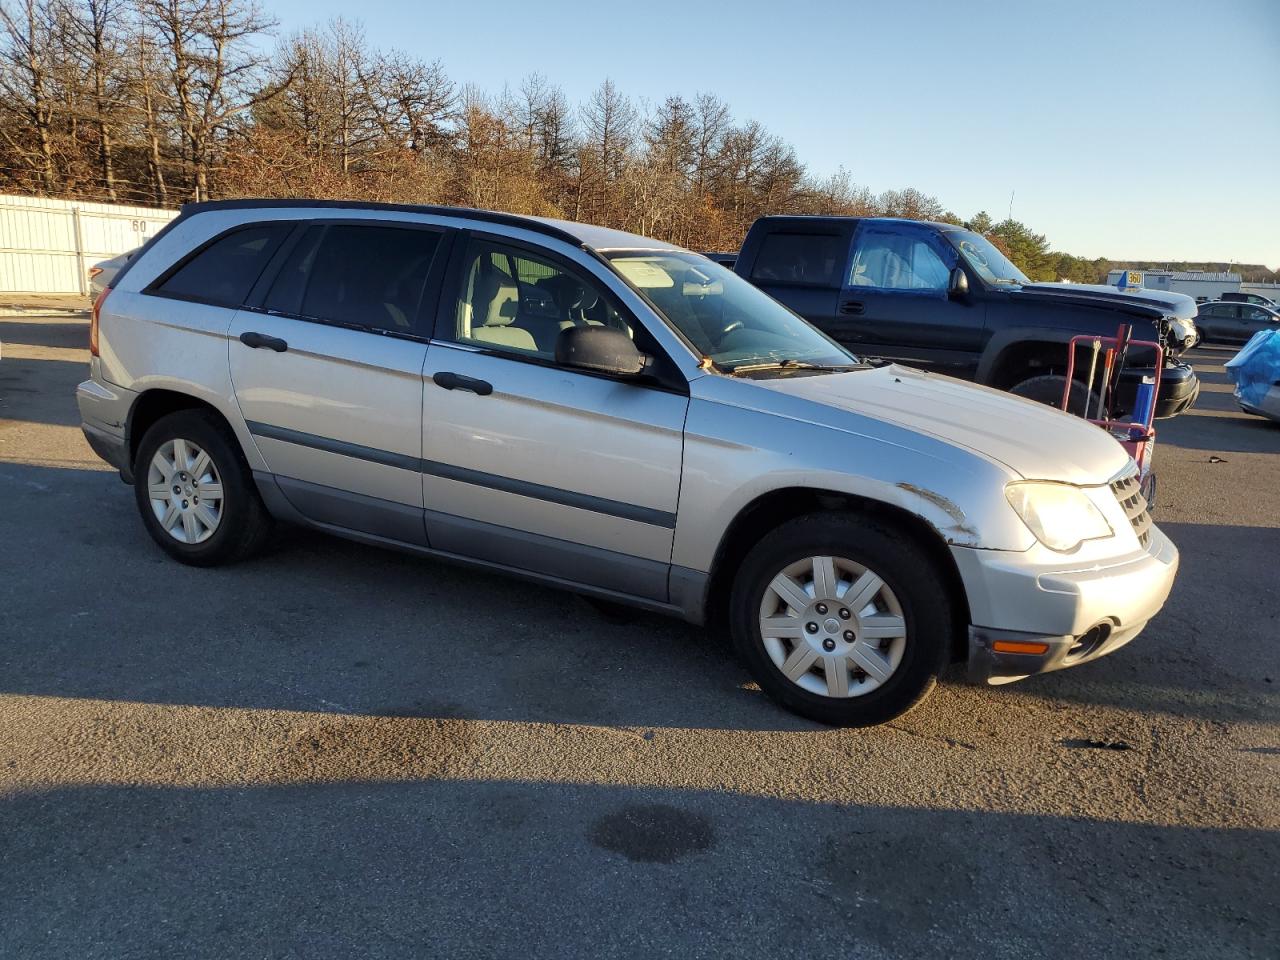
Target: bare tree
145,82
711,122
27,87
214,75
415,102
608,122
96,49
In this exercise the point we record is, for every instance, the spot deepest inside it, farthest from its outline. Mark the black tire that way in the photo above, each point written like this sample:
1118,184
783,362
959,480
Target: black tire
244,523
1047,388
906,569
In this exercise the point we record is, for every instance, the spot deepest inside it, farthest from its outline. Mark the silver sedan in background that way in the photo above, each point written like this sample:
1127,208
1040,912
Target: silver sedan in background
104,271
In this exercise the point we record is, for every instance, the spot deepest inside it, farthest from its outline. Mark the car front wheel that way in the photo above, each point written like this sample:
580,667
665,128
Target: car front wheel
842,619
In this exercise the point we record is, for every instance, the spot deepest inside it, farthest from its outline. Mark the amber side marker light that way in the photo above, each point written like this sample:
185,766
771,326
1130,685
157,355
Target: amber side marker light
1020,646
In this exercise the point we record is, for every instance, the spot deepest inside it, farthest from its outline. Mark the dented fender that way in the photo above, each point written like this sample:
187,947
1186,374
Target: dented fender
733,456
958,532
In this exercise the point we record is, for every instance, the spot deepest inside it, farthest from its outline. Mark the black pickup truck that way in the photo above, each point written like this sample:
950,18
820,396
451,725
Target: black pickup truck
939,296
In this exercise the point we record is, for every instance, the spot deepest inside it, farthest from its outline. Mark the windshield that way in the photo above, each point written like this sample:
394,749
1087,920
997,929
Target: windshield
983,255
725,318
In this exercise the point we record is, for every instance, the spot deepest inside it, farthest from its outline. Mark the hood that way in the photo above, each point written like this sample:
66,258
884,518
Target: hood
1031,439
1096,294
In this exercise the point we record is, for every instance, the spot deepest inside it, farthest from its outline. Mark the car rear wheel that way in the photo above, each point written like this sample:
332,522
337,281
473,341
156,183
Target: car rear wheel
841,619
196,493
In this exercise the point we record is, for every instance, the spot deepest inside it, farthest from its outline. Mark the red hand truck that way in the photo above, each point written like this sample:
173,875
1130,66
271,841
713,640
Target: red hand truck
1137,432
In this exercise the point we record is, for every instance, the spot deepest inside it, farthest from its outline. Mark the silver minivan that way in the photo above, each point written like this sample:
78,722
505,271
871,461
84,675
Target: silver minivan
619,417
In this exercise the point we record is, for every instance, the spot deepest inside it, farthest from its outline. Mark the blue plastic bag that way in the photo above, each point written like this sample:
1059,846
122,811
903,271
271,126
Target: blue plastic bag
1256,367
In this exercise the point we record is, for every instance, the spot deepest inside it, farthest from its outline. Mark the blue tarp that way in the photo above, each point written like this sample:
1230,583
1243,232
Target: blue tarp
1256,367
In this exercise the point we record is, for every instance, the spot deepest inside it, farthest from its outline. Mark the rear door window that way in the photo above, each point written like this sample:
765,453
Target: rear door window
801,259
224,272
361,275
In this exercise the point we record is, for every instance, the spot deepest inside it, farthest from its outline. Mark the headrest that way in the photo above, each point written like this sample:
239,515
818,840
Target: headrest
494,296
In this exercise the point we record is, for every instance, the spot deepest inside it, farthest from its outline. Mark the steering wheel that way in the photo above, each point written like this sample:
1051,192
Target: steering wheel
735,325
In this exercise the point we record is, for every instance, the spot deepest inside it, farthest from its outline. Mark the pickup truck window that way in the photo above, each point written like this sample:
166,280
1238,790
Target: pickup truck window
981,254
801,259
897,261
724,317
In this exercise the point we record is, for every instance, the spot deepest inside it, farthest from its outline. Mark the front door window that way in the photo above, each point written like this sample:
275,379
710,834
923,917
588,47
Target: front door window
514,301
887,260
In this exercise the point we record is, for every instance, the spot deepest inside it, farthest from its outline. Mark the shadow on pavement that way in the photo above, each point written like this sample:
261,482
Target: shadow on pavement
66,334
516,868
26,384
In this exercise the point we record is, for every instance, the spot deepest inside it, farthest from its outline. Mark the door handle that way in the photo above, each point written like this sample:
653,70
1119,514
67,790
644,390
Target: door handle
852,307
256,340
456,381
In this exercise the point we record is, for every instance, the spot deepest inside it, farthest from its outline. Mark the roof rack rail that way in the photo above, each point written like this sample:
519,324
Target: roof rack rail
488,216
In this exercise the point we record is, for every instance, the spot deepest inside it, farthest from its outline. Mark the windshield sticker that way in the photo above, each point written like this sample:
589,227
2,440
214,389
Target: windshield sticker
644,273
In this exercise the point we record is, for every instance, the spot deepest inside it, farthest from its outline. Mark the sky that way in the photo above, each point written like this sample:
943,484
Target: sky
1130,130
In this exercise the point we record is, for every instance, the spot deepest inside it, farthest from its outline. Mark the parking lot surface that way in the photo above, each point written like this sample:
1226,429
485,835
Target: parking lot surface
336,751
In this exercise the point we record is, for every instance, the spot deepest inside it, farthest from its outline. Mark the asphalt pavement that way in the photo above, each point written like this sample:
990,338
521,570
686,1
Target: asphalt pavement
336,751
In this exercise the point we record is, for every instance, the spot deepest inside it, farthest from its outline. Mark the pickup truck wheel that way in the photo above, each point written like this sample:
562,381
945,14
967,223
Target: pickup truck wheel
1047,388
841,619
195,492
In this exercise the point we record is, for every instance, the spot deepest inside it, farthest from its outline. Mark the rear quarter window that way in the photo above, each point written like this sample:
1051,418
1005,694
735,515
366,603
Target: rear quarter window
224,271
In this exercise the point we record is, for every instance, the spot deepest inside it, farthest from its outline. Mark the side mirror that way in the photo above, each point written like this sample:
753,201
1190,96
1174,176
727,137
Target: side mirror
958,284
600,350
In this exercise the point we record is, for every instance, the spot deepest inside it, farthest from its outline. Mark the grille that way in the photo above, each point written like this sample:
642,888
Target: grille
1128,491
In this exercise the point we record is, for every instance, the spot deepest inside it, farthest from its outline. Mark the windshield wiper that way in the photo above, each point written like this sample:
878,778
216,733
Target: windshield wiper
789,363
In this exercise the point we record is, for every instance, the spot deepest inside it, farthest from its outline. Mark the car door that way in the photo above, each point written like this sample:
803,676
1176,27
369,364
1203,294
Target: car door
533,465
1254,319
802,267
895,301
1216,320
326,363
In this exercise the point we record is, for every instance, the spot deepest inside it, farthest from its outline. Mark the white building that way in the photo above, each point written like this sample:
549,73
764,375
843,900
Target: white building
1194,283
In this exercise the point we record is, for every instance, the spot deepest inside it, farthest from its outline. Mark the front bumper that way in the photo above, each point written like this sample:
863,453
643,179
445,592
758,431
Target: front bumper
1179,388
1029,619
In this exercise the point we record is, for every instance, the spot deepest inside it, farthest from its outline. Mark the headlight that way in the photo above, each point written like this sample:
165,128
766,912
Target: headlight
1060,515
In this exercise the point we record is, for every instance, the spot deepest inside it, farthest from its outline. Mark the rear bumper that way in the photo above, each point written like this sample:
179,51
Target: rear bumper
104,412
110,448
1028,619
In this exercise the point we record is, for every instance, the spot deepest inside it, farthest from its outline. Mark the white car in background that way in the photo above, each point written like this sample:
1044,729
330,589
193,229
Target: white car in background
104,271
